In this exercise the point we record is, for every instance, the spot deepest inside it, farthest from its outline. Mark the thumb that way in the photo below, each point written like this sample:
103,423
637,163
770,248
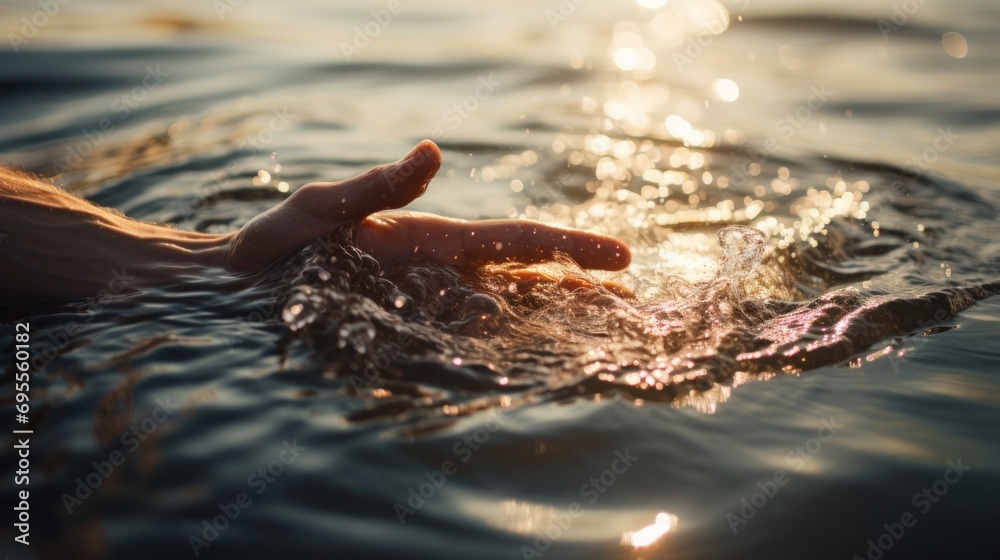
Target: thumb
318,209
384,187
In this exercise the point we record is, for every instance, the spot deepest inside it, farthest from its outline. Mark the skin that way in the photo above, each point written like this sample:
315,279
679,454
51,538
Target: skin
61,246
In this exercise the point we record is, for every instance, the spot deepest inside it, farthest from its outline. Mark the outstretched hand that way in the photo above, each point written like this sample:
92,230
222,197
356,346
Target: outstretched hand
395,238
82,249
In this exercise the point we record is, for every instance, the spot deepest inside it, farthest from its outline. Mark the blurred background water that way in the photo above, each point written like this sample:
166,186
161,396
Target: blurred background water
800,392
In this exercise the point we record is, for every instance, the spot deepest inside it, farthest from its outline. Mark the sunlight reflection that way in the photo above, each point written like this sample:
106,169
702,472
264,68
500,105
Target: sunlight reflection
677,126
522,517
661,179
651,4
665,522
726,90
629,51
573,522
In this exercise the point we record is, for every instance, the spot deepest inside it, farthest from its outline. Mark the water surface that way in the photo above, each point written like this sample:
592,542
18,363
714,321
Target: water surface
810,193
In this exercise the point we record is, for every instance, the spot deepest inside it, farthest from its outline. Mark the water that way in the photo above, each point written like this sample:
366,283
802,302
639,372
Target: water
811,199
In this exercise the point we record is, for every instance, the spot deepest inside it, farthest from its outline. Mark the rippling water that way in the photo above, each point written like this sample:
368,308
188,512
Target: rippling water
806,362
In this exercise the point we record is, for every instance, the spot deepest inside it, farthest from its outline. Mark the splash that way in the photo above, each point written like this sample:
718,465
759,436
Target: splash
735,279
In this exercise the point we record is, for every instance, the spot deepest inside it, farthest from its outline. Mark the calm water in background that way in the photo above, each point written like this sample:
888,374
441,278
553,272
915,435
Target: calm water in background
618,118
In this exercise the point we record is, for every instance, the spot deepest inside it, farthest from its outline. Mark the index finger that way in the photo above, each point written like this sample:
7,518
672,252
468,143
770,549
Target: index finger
471,243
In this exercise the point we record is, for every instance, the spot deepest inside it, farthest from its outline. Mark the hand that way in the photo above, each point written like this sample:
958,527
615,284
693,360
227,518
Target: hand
396,238
84,250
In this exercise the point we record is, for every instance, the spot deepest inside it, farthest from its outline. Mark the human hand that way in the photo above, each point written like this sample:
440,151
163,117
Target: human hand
85,248
397,238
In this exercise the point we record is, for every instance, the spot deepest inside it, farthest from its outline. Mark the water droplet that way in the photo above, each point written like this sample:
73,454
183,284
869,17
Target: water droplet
297,316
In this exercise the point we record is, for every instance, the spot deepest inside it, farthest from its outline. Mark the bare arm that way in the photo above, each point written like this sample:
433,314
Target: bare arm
58,245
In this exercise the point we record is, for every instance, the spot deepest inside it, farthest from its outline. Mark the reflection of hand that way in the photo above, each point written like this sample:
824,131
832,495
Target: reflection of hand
393,239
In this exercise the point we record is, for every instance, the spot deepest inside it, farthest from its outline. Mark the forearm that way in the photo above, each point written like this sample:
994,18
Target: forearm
58,245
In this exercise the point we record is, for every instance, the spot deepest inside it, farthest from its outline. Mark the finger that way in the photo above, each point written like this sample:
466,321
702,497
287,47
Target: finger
318,209
384,187
531,242
464,243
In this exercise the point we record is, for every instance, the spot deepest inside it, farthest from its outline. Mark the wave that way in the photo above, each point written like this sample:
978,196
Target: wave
437,340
